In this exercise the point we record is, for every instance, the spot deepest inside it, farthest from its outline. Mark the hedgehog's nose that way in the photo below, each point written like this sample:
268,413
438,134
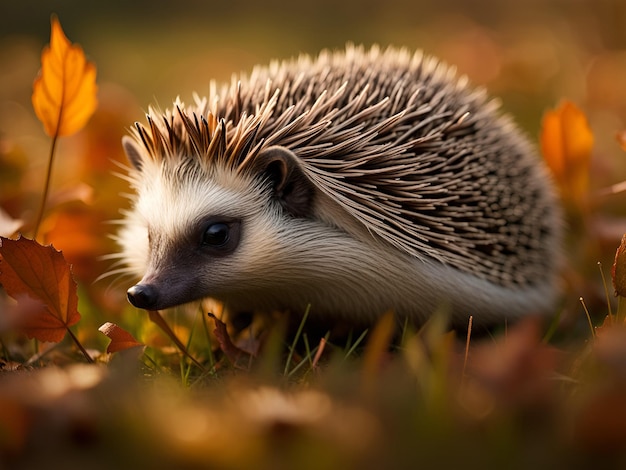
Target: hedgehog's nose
142,296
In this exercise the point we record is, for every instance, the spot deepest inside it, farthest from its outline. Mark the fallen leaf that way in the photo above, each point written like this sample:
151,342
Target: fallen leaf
120,338
232,352
566,145
31,273
64,93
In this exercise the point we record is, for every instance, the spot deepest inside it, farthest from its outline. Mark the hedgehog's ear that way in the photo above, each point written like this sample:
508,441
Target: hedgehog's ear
291,187
133,152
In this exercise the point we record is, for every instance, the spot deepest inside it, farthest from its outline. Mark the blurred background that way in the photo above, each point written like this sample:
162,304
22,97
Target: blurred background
530,53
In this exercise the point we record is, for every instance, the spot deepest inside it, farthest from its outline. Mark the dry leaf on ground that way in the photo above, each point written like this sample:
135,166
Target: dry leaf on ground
120,338
38,276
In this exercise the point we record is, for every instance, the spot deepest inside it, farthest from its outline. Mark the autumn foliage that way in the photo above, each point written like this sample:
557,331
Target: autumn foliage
36,276
120,338
39,277
65,93
64,96
566,144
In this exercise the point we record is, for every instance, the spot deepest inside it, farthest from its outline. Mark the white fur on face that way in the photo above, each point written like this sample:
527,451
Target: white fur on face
171,204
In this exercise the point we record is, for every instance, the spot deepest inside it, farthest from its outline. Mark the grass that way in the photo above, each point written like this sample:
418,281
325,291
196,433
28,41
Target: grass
432,399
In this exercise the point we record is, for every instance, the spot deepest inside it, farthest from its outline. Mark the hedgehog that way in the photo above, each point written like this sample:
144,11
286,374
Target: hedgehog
353,183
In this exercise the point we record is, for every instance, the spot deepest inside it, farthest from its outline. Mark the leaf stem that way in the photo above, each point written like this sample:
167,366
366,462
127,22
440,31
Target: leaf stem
80,346
46,188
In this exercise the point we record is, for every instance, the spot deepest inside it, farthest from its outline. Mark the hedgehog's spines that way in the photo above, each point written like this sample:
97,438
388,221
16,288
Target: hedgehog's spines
145,139
414,155
238,105
204,132
221,143
168,127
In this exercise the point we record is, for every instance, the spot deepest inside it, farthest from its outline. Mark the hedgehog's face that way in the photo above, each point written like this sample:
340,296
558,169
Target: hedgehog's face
198,232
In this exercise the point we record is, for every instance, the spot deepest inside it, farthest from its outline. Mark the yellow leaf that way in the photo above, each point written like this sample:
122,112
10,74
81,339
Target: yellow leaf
64,93
566,145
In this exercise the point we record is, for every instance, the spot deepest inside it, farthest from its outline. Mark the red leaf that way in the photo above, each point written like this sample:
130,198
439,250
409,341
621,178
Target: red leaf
31,274
120,339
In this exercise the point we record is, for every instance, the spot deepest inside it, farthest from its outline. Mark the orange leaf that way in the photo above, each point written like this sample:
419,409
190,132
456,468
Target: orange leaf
64,93
566,144
120,339
35,274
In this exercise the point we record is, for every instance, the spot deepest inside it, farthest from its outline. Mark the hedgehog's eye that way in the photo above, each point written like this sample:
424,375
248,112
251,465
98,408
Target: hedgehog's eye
220,235
216,235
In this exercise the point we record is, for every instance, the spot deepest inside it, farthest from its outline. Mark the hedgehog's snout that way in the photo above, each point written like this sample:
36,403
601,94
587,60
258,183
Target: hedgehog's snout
142,296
